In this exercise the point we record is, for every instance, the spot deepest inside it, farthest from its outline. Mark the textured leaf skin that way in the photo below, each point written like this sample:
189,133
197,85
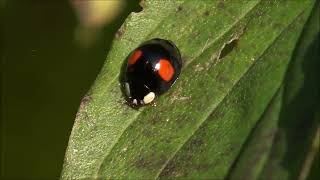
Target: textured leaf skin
256,150
197,129
255,157
298,121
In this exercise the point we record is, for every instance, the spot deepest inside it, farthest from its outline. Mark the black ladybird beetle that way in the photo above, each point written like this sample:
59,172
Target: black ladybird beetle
151,70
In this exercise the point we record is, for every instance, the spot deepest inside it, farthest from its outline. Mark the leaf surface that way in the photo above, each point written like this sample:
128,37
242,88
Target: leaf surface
235,57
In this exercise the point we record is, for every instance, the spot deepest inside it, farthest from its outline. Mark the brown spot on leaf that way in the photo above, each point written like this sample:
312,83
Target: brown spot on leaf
196,142
230,45
142,163
168,171
228,48
119,33
195,145
85,100
152,162
179,8
172,171
207,13
83,115
142,4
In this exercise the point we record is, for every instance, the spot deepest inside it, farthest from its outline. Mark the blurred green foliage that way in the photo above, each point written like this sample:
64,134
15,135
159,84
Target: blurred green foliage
44,77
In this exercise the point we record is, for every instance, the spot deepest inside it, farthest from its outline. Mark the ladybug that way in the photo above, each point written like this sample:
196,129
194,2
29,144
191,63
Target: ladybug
151,70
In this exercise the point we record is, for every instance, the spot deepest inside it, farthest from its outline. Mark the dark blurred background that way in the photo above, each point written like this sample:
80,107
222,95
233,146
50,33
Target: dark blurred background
51,53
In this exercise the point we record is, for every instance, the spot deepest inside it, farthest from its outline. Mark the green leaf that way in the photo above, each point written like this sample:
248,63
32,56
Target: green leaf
284,129
235,58
256,150
298,121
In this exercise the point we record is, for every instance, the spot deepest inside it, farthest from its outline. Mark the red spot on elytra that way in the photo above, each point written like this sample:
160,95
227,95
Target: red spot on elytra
134,57
165,70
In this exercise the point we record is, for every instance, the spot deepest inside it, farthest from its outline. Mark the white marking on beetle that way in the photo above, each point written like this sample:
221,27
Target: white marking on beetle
127,89
135,101
157,67
149,98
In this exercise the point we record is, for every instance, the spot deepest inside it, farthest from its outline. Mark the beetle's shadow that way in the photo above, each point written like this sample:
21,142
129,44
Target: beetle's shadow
122,80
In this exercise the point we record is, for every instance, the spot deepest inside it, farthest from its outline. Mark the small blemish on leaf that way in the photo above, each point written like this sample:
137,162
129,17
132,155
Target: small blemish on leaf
179,8
141,163
86,99
151,162
83,116
169,170
172,171
199,68
142,4
207,13
195,143
176,96
228,48
119,33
